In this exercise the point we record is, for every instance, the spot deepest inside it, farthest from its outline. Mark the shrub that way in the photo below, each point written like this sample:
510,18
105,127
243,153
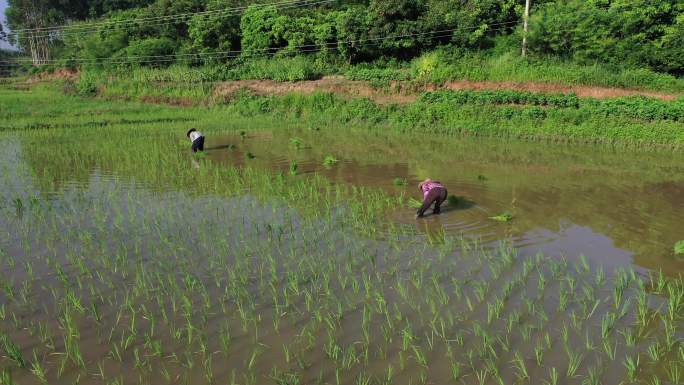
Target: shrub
146,50
376,74
637,107
279,69
88,82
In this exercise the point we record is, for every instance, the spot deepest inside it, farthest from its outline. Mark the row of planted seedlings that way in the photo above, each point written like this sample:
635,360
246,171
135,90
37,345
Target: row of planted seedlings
113,281
339,307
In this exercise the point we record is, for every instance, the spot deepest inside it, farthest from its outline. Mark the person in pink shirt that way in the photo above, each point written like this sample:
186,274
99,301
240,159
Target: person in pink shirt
433,192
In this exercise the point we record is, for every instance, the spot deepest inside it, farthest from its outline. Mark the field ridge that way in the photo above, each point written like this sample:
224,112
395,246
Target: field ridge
402,92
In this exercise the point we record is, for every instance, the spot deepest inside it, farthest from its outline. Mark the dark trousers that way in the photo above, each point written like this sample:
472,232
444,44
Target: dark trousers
437,196
198,144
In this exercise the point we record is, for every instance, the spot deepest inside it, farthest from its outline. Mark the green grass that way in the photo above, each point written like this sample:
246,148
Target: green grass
436,67
642,108
445,65
634,121
527,122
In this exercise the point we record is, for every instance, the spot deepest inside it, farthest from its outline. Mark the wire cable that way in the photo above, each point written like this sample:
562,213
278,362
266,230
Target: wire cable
89,27
243,53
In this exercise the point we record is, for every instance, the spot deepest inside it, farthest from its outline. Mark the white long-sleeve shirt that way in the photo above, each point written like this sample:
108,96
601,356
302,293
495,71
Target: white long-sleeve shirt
194,135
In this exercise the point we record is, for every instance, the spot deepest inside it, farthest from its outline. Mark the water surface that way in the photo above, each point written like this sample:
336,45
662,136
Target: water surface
615,206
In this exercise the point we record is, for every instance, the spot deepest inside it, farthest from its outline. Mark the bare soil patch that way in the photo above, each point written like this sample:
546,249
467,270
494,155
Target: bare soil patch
332,84
581,91
406,92
61,74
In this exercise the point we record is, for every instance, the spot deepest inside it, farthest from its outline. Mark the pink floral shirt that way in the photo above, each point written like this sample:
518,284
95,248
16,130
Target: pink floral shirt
429,186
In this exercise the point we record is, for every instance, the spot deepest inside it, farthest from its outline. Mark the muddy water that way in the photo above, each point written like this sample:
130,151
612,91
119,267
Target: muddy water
111,279
616,207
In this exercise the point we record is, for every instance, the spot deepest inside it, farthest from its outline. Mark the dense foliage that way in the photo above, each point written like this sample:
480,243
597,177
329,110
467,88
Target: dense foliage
634,107
619,32
639,32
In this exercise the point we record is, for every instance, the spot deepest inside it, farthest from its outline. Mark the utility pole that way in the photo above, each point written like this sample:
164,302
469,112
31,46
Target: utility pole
526,16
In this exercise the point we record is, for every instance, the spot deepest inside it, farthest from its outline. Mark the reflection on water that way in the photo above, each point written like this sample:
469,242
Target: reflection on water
180,276
612,206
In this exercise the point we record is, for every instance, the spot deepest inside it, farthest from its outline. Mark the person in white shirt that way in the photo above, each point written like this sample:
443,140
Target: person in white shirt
197,140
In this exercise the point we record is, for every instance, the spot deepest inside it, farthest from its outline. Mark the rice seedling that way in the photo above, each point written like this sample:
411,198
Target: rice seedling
400,182
330,160
674,373
655,352
609,349
520,367
297,142
632,366
553,377
574,362
594,376
414,203
236,274
679,248
11,350
503,217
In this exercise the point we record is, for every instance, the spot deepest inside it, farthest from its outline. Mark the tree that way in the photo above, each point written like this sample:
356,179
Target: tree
257,26
671,49
30,18
622,32
215,32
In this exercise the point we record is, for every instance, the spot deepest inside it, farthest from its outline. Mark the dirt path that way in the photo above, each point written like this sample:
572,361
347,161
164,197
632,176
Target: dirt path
581,91
400,92
333,84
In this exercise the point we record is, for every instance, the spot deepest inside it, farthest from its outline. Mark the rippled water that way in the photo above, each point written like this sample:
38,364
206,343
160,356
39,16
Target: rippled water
616,207
113,250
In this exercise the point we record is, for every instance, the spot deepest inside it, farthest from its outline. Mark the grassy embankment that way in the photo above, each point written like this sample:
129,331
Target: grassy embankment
510,114
435,67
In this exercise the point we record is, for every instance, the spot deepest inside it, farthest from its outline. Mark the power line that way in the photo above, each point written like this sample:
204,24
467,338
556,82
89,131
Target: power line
242,53
160,24
49,31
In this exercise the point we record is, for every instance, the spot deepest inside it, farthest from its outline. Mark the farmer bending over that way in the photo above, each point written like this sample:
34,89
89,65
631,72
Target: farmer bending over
197,140
433,192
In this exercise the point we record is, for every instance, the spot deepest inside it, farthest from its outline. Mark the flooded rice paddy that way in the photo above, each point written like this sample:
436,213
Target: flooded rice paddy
617,207
124,259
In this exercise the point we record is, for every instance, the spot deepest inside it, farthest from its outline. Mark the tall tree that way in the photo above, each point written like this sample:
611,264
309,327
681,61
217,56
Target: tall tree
30,18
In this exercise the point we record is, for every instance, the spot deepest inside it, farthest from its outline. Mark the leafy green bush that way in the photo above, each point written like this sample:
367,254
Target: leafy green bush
501,97
376,74
636,107
88,82
279,69
448,63
632,33
150,49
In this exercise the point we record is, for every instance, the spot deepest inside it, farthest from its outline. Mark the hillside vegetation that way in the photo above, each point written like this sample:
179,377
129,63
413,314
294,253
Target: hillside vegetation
614,43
